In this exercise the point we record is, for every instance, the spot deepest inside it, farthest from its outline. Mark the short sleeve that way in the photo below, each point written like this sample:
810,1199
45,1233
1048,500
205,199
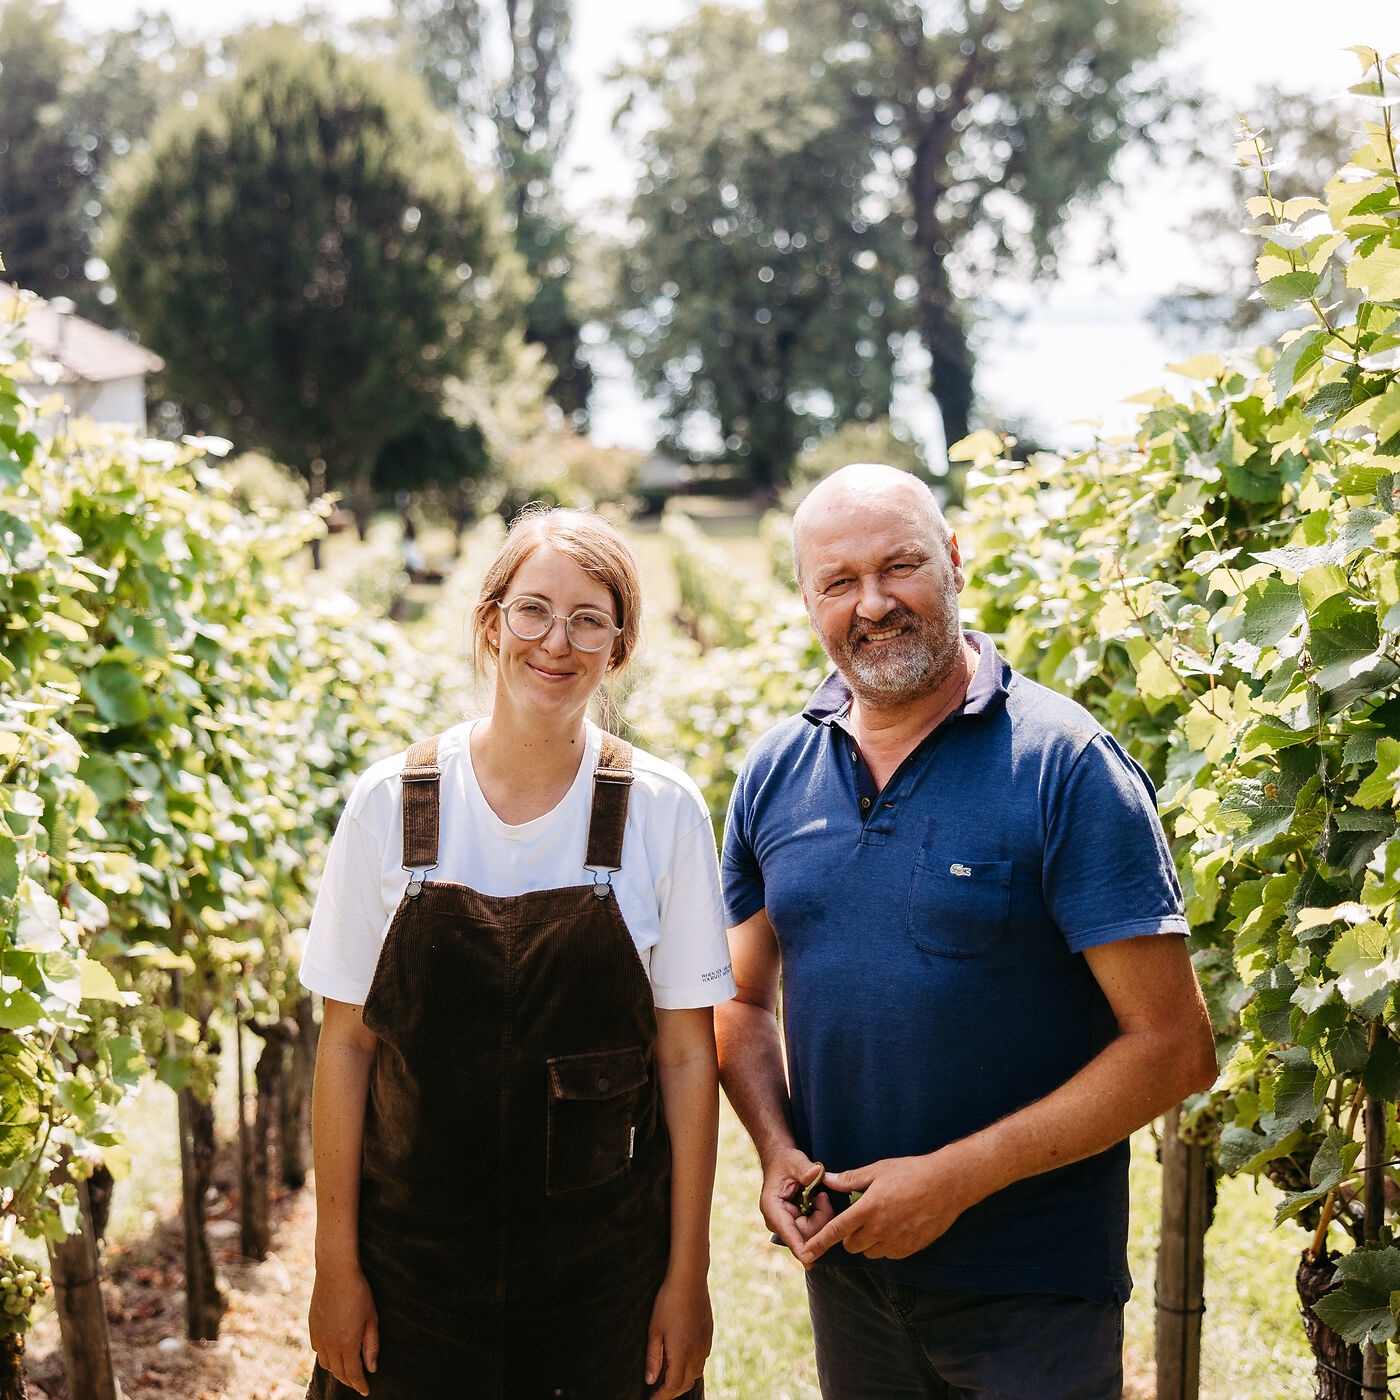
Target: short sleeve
743,875
1108,871
348,922
689,964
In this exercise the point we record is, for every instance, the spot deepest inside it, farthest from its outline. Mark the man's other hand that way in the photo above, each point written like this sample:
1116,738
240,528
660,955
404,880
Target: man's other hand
784,1179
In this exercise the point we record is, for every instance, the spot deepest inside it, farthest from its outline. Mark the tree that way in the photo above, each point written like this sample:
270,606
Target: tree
528,109
68,110
120,87
313,257
41,174
759,291
999,115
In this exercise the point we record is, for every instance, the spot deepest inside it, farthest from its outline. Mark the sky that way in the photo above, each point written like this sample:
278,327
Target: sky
1076,347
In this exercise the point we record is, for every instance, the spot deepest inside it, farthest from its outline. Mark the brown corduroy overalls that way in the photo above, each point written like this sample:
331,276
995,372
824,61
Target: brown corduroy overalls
515,1190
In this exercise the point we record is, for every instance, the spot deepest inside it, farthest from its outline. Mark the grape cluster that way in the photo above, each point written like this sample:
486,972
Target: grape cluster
21,1286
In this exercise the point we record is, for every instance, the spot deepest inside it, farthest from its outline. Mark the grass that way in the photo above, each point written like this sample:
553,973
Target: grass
763,1340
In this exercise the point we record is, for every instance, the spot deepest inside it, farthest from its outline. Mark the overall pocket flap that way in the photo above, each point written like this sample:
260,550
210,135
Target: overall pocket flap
600,1074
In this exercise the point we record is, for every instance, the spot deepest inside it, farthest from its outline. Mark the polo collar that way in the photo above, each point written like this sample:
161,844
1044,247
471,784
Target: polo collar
986,691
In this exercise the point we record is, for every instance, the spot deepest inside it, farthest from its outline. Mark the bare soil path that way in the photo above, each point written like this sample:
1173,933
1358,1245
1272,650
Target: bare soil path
262,1351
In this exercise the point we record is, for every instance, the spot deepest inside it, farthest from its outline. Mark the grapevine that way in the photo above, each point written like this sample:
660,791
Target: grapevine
1222,588
22,1286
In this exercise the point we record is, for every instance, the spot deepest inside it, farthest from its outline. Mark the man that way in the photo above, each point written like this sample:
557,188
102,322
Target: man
963,884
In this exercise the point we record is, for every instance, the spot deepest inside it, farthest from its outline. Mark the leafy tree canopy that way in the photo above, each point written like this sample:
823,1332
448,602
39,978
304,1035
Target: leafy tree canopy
761,286
312,255
997,117
68,112
526,109
40,171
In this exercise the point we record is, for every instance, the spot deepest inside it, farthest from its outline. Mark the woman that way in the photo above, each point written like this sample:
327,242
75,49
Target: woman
520,940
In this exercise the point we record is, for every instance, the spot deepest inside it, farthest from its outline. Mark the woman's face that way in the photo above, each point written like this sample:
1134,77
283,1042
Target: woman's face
550,678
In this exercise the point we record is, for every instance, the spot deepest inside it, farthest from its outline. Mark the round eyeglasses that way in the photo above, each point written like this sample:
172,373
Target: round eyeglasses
531,618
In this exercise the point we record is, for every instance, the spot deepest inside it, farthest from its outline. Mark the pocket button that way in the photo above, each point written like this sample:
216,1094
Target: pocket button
604,1084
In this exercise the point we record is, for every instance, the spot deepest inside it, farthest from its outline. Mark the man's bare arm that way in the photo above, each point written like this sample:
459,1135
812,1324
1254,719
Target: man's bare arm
1163,1051
755,1082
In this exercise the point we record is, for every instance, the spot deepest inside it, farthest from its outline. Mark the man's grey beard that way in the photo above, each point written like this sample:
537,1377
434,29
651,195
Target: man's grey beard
891,677
920,665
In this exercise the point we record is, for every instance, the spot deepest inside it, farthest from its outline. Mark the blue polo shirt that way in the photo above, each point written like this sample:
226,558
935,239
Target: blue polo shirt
931,936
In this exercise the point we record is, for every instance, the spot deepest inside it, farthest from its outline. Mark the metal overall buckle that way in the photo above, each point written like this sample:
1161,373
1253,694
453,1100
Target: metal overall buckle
416,878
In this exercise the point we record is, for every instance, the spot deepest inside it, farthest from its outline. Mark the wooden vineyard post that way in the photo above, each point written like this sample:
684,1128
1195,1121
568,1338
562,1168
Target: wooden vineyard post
249,1231
1374,1359
256,1235
1187,1203
82,1318
204,1305
296,1097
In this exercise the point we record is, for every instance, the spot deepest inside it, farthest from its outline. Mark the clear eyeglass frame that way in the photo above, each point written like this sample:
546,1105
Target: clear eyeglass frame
532,622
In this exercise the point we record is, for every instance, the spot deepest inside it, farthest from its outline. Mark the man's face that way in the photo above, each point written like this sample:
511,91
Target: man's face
881,585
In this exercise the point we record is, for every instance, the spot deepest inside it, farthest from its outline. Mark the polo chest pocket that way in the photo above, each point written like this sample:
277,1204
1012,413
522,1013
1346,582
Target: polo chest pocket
958,909
595,1102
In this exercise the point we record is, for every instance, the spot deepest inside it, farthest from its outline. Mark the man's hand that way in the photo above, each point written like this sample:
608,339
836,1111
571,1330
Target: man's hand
905,1204
784,1179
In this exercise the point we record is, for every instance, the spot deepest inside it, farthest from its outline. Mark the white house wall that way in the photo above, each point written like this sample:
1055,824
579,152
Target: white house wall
120,402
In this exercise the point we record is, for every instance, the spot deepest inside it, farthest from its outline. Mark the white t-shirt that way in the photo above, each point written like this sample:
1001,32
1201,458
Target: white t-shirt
668,887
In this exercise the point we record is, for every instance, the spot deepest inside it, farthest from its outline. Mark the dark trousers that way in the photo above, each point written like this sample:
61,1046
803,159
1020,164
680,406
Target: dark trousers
878,1340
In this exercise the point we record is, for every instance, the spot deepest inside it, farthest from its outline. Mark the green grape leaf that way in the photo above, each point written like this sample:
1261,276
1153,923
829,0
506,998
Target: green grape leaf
105,777
118,694
1361,959
1378,788
1273,610
1295,1094
1381,1077
1282,292
1330,400
1239,1146
1255,814
1358,1308
1376,274
1337,1041
19,1009
126,1060
1302,353
98,984
174,1071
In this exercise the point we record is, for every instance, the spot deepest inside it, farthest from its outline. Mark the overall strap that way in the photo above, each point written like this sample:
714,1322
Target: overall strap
422,793
612,783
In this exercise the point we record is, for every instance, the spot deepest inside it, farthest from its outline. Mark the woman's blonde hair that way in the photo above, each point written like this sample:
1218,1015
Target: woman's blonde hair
594,544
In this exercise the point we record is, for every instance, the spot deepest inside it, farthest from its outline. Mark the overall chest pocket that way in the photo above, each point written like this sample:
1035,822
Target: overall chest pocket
595,1102
958,909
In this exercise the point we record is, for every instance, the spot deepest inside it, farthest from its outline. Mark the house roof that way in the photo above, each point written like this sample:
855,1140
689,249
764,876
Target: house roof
80,351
